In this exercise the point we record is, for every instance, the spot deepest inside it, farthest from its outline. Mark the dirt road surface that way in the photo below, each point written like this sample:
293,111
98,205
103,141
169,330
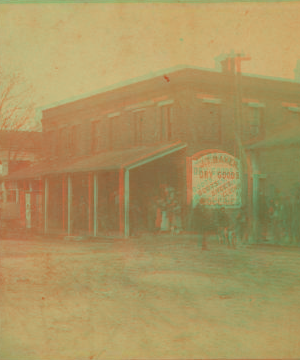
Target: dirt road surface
147,298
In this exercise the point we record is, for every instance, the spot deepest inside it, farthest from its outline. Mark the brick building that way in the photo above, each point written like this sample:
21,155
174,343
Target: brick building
202,132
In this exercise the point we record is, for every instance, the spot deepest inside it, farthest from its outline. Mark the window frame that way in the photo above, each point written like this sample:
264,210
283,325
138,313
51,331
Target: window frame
72,137
95,135
138,126
166,122
254,121
206,136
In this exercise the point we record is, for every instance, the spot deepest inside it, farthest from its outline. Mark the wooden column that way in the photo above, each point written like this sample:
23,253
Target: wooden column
69,203
255,194
255,207
126,204
46,205
95,204
64,202
90,209
40,204
121,201
189,177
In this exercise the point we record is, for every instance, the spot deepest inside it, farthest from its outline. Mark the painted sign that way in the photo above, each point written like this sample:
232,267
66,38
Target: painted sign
28,210
217,180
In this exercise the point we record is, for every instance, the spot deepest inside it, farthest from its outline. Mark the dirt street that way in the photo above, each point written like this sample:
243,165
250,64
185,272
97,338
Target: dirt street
147,298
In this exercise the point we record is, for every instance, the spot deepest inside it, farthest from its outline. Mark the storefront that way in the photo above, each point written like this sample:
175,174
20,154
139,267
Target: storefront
97,195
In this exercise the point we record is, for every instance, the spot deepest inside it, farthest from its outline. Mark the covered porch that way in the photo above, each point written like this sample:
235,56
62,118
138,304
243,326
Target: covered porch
94,195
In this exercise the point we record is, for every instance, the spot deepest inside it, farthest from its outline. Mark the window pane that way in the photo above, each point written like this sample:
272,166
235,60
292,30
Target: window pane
166,112
252,121
210,123
139,117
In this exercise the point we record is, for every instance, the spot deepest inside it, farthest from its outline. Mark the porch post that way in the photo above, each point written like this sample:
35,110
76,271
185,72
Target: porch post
189,177
95,204
40,204
255,205
69,203
63,202
121,201
126,203
90,209
29,213
46,205
255,194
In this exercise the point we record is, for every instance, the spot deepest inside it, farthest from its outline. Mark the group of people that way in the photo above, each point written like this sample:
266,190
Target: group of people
281,218
161,212
166,211
230,225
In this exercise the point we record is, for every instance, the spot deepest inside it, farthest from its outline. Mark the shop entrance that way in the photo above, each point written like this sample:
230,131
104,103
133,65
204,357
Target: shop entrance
155,189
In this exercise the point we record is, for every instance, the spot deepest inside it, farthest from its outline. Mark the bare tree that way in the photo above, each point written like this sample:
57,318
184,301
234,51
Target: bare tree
16,103
16,115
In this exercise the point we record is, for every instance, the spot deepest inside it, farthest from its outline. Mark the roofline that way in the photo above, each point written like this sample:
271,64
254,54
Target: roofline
121,84
161,152
146,77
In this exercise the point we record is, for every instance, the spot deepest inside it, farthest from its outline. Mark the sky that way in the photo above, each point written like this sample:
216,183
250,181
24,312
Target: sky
66,50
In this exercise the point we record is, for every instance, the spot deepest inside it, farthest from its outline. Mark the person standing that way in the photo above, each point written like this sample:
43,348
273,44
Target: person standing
203,218
158,218
152,213
223,225
241,225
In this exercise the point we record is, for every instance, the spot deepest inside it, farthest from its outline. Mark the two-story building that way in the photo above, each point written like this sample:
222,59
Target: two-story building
192,129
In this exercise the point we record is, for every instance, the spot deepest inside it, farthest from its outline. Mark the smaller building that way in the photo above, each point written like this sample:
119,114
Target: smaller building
18,150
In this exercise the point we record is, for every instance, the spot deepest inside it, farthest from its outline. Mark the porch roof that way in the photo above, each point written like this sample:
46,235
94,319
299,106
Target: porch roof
105,161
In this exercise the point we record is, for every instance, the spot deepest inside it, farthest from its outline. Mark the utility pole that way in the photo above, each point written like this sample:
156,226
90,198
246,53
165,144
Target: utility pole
239,116
238,98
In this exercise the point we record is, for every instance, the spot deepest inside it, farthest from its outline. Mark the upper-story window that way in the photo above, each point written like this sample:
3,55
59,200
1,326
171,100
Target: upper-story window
60,142
292,113
113,130
138,118
64,141
212,126
50,142
209,122
59,139
253,121
166,122
101,135
96,136
72,140
208,126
